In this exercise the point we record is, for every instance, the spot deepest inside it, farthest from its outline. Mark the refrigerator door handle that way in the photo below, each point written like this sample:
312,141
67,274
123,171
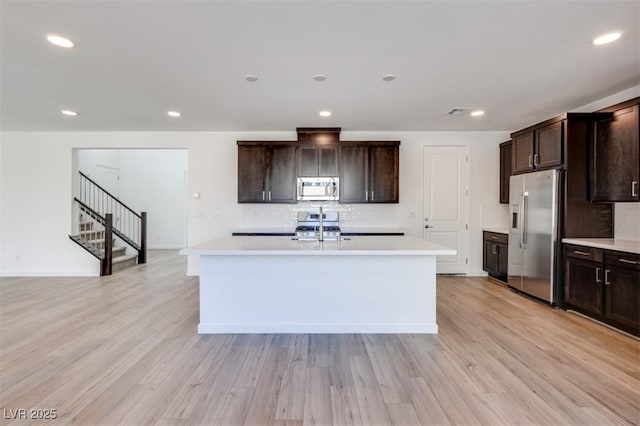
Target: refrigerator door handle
522,219
525,217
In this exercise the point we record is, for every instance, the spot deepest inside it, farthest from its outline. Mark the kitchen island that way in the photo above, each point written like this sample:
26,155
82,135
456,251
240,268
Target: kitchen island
279,285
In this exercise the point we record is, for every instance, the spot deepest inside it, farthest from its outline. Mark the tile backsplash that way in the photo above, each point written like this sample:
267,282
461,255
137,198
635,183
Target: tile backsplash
351,215
627,221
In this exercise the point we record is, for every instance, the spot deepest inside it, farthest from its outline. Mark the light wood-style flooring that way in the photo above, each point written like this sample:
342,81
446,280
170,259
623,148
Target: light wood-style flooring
124,350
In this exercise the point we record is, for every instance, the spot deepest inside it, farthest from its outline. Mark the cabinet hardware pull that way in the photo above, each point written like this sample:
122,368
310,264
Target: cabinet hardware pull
269,195
372,197
598,279
583,253
633,262
493,237
494,249
262,195
366,195
535,160
633,189
606,277
530,163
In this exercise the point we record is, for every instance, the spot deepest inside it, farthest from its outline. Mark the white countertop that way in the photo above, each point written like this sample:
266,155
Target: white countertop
370,230
276,230
287,230
366,245
497,230
628,246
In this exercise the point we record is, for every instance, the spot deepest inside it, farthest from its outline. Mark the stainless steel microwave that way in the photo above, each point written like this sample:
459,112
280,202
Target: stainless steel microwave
318,188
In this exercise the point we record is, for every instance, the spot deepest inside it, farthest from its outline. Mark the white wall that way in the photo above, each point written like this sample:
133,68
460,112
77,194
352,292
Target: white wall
32,245
151,180
36,176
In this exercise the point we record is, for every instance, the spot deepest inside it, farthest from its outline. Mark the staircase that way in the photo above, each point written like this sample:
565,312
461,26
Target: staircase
106,227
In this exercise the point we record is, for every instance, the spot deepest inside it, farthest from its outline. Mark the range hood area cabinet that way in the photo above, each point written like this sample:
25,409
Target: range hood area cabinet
266,172
369,172
317,160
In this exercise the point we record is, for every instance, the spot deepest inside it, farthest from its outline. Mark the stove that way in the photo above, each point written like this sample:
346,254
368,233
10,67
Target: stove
308,228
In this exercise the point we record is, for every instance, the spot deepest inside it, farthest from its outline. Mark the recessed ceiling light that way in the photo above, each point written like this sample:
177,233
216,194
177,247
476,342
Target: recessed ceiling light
251,77
59,41
388,77
319,77
606,38
69,112
173,114
477,113
325,113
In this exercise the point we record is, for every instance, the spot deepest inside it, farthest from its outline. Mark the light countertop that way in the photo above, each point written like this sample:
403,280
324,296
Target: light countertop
276,230
343,229
367,246
497,230
628,246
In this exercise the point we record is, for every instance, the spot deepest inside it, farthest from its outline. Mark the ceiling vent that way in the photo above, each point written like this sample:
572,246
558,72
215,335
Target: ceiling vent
460,110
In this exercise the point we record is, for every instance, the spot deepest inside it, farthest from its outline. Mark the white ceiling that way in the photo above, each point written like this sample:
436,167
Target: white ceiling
521,61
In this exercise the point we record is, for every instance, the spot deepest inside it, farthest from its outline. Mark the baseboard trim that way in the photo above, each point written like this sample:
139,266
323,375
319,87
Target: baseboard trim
302,328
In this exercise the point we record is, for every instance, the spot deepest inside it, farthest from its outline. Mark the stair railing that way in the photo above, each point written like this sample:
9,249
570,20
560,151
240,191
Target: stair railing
127,225
95,234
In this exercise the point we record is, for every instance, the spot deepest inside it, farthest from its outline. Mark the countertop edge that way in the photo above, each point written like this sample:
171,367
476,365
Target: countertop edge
497,230
628,246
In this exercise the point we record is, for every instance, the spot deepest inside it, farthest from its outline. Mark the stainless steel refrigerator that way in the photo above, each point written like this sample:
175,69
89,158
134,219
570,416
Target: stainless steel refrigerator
533,233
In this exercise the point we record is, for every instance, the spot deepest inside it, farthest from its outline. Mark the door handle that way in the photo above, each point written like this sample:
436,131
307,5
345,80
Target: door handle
606,277
530,162
633,189
535,160
428,226
598,279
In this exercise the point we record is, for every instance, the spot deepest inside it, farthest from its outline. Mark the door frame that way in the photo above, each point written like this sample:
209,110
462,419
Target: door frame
466,239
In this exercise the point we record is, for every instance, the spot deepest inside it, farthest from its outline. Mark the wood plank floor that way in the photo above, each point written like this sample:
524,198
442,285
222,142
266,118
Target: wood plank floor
124,350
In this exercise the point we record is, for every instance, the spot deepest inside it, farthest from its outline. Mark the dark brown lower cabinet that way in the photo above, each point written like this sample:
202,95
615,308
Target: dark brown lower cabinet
622,289
495,254
583,280
603,284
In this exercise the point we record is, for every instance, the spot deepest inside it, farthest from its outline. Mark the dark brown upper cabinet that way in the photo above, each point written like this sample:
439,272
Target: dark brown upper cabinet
369,172
266,172
538,147
615,154
317,160
505,170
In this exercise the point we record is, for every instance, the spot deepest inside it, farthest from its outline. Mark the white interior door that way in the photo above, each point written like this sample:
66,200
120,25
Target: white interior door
445,221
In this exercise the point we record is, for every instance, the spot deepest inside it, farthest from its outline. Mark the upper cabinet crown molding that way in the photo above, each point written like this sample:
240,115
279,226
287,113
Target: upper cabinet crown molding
318,135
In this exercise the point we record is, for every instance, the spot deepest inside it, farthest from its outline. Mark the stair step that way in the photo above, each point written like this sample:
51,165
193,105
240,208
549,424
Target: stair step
122,262
118,251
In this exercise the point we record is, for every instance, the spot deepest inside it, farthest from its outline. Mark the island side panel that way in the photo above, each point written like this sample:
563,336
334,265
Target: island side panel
317,294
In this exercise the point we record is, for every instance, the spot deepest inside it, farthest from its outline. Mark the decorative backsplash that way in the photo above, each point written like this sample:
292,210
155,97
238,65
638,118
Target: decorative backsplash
351,215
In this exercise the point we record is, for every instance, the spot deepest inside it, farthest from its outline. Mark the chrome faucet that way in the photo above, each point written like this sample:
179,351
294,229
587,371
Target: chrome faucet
321,227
